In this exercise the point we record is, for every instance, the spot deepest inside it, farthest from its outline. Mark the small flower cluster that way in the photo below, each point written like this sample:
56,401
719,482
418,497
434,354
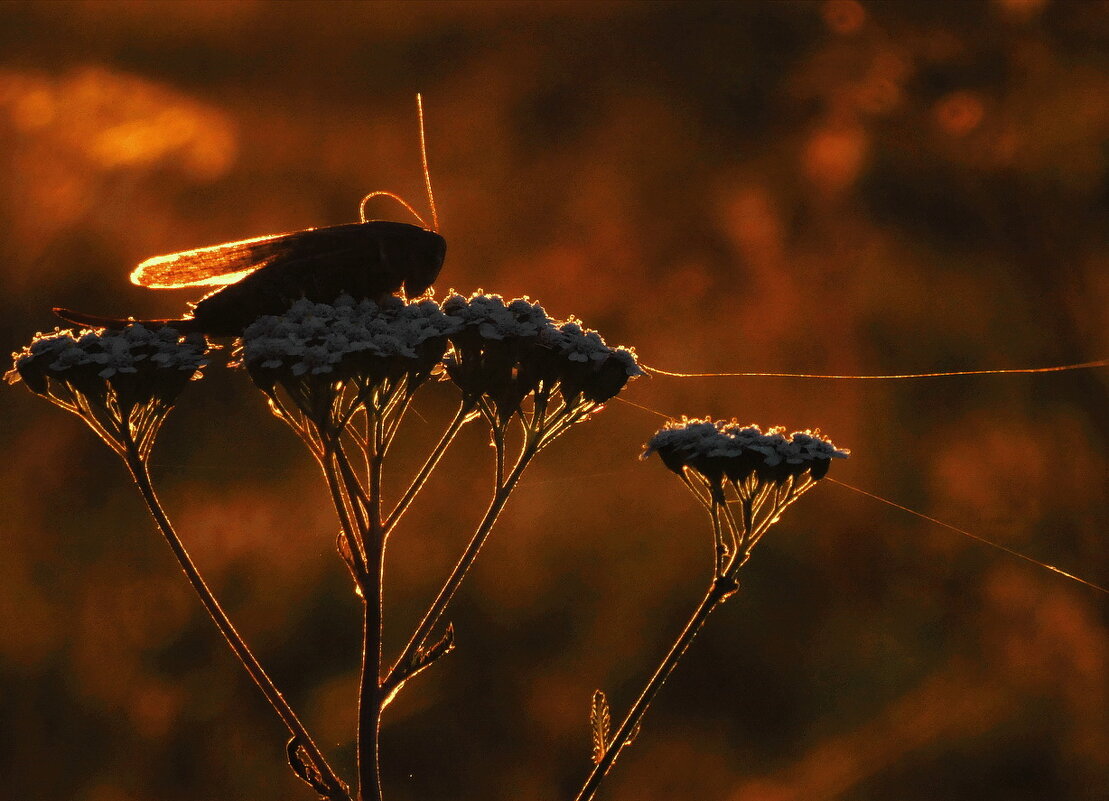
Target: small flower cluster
506,351
589,366
722,448
135,363
327,342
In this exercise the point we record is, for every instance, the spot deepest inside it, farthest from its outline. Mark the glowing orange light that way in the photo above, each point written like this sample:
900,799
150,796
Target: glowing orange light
152,272
833,157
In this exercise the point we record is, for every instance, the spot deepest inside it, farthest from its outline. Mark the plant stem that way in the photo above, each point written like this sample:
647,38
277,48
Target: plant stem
369,690
721,588
141,476
370,695
429,465
341,502
398,673
356,497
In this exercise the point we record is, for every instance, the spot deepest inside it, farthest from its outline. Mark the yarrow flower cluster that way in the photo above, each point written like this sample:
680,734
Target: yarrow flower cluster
122,382
723,448
346,338
314,350
506,351
135,362
725,464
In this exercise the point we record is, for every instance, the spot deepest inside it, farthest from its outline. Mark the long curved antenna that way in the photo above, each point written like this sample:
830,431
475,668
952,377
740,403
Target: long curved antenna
975,537
427,181
934,520
394,196
1017,371
921,515
423,158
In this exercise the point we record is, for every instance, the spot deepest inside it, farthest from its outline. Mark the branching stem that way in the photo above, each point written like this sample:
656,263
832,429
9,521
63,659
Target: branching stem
139,472
429,465
399,672
369,690
370,694
721,588
342,509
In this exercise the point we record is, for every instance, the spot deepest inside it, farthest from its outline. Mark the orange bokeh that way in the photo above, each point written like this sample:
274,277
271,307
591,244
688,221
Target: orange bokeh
835,187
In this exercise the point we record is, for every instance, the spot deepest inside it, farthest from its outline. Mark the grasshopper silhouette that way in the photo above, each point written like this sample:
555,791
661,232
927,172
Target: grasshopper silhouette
265,275
366,260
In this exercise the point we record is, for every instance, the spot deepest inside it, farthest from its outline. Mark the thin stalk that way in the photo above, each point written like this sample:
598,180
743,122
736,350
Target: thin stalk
370,693
499,445
701,498
363,440
739,534
428,466
748,525
721,588
369,690
735,536
298,422
141,476
397,674
394,393
396,416
353,535
776,513
359,501
565,418
358,403
721,548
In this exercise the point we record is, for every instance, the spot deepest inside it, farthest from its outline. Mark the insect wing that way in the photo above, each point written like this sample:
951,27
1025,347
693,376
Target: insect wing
319,277
219,265
210,266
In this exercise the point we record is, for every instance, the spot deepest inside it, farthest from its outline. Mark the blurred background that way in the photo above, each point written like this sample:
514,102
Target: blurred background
824,187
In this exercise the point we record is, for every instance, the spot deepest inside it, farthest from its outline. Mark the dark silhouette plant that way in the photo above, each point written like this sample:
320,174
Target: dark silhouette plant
342,375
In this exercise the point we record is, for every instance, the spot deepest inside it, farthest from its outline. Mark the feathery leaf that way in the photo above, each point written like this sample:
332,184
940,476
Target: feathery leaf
599,723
